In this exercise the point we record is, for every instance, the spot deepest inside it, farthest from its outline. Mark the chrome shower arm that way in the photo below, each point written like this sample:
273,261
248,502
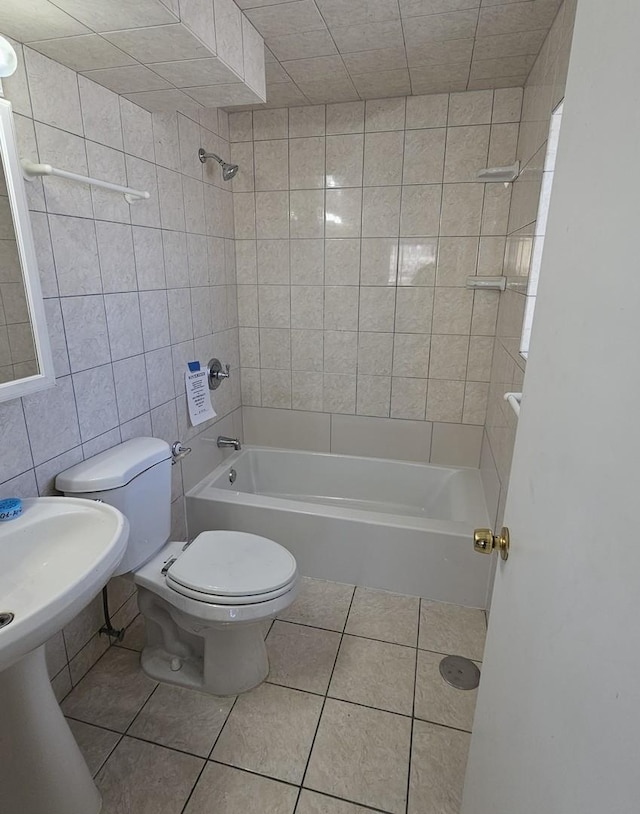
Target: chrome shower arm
228,170
203,156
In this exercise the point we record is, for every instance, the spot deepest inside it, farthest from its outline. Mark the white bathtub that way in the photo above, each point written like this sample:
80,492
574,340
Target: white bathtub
404,527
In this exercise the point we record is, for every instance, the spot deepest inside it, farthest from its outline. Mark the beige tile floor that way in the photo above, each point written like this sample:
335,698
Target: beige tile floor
354,717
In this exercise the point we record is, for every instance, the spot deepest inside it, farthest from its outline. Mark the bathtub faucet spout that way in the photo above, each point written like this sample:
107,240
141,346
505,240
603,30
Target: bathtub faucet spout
223,442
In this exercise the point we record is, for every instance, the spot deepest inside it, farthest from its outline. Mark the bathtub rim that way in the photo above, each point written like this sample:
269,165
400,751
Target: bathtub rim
447,527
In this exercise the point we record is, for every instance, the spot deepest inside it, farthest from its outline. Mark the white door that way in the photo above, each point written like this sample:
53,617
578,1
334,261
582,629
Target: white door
557,727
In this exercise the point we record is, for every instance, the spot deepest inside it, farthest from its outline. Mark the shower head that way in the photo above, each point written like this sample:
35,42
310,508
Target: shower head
228,170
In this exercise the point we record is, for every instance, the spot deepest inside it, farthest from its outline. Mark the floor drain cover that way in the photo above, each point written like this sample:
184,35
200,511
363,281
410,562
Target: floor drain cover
5,618
461,673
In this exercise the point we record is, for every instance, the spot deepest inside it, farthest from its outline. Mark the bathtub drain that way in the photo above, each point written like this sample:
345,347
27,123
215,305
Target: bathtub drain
461,673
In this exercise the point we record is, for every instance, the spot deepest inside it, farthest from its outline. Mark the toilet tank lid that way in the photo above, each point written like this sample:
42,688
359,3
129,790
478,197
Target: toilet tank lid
114,467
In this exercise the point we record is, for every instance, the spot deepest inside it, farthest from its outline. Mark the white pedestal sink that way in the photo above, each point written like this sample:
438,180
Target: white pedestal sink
53,561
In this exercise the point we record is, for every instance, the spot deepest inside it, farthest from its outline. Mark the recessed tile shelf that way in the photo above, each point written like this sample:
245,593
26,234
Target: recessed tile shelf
162,60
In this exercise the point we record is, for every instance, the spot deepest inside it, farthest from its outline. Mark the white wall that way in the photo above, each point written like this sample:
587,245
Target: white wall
544,89
562,657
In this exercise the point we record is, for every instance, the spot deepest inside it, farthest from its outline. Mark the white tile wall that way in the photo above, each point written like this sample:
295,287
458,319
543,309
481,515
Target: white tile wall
360,223
369,436
131,293
542,93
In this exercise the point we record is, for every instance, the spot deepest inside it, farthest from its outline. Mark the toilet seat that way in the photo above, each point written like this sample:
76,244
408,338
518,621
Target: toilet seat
232,568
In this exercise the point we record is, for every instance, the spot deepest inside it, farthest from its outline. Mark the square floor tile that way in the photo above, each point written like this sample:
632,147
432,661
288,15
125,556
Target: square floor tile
301,657
311,802
375,673
182,719
96,744
452,629
438,763
385,616
112,693
361,755
142,778
270,731
438,701
225,790
320,604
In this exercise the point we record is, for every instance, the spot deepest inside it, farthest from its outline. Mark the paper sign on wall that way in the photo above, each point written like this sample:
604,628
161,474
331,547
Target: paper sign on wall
198,397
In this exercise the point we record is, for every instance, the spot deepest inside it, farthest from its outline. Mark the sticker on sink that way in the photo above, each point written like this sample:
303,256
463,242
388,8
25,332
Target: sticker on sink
10,508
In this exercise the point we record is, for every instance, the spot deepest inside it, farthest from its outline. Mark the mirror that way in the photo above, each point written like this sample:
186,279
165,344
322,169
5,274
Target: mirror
26,363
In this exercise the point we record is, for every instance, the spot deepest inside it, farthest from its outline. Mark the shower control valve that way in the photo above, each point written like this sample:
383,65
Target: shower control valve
217,373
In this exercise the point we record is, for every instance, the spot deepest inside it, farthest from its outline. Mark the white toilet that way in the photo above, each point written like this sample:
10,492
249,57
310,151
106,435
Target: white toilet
204,602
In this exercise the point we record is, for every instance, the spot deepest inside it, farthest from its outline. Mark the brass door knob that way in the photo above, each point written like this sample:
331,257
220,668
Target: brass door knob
485,541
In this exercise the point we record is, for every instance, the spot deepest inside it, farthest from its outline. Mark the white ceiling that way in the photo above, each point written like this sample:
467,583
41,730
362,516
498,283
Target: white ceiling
318,51
161,54
339,50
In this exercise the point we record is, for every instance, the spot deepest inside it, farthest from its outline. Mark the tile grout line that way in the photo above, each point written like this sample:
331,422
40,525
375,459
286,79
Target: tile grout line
88,670
326,695
413,706
254,773
272,684
107,758
207,759
383,641
135,717
87,723
349,802
98,726
366,706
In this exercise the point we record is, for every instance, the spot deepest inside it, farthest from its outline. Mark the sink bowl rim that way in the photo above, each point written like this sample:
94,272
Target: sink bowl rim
26,633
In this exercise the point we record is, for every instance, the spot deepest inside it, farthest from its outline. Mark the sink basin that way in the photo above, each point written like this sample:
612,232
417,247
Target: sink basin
53,560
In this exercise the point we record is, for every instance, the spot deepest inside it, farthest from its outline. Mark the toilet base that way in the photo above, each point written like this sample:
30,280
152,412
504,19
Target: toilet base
214,648
235,660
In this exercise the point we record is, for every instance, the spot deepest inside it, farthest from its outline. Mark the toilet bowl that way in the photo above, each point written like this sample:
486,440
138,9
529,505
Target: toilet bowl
205,602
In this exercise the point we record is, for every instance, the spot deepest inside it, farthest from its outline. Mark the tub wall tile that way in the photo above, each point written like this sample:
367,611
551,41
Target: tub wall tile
293,429
382,273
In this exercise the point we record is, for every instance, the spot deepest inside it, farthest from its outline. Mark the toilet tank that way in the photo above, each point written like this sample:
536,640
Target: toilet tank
135,477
